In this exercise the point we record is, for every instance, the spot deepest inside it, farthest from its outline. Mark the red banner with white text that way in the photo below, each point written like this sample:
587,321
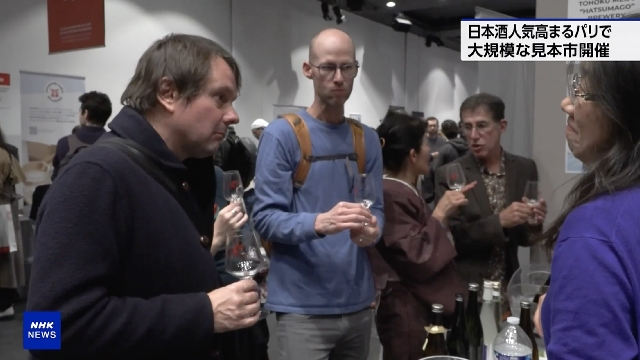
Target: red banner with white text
75,24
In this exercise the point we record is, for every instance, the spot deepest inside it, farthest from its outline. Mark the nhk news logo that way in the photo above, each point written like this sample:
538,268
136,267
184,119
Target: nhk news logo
41,330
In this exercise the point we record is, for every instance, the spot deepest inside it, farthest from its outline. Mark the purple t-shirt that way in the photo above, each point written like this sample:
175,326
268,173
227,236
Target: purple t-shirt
592,308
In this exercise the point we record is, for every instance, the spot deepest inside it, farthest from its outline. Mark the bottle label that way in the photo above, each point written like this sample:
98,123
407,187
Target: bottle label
487,352
500,356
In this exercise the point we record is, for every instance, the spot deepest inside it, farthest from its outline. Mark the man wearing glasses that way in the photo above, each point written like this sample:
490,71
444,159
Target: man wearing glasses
488,231
320,281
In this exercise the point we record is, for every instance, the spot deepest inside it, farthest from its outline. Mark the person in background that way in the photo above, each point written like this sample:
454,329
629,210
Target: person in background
41,190
95,110
12,275
336,10
320,282
454,148
221,157
436,140
251,343
127,262
257,127
413,262
591,308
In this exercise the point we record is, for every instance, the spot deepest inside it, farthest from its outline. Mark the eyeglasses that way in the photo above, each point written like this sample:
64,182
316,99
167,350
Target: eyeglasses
329,70
481,127
574,82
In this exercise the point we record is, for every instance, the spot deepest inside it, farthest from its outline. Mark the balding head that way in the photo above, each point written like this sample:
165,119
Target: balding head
330,41
332,66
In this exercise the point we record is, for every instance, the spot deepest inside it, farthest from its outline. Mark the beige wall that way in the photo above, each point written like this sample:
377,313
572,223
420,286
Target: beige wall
549,122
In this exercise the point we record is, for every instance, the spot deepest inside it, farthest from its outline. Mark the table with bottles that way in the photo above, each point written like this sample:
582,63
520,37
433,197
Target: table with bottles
481,334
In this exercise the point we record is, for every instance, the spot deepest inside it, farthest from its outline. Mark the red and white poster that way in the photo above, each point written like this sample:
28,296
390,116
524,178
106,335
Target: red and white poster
75,24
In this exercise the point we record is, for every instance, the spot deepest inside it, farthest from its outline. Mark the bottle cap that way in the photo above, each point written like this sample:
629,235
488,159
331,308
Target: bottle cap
474,287
437,308
513,320
459,297
497,285
525,305
488,284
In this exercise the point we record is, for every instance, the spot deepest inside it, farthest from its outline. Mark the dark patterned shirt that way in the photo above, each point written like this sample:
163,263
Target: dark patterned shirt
495,185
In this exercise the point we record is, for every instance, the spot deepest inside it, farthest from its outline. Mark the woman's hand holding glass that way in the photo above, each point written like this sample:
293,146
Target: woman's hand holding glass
231,218
450,202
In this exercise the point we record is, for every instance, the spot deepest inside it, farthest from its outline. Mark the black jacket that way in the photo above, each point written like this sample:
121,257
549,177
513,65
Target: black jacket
120,258
452,150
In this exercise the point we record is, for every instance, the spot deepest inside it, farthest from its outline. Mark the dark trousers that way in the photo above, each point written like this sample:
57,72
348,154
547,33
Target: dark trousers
336,10
7,298
246,344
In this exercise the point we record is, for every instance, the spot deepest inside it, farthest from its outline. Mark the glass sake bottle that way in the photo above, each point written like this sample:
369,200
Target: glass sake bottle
458,339
436,344
474,326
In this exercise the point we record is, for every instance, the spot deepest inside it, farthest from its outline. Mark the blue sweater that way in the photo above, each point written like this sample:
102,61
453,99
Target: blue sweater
312,274
592,309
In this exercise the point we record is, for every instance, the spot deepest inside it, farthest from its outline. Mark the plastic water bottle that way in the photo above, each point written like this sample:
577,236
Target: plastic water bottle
512,343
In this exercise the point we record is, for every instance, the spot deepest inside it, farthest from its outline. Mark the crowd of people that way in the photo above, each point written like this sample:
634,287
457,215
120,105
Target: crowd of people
135,266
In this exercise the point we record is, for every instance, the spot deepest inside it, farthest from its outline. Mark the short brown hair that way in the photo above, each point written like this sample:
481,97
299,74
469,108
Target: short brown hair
185,59
493,104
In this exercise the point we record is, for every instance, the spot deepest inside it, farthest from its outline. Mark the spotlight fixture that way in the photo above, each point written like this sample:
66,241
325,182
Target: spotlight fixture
401,24
391,4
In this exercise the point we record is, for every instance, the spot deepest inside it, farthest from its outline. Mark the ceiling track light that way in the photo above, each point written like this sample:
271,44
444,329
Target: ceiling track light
401,24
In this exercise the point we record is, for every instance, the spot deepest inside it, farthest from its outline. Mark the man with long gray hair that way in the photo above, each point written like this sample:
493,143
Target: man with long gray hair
125,261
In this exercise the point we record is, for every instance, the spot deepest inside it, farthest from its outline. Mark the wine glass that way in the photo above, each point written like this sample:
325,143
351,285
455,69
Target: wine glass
364,190
232,188
261,280
244,259
531,193
455,177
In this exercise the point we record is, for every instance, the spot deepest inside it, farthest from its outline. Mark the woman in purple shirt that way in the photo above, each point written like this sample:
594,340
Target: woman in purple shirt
592,308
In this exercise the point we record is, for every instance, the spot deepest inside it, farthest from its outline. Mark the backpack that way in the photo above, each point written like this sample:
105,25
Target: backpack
306,158
304,140
75,145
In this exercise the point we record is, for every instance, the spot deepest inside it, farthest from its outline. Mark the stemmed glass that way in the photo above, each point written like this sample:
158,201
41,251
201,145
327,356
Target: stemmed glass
244,238
362,186
364,190
244,259
455,177
531,193
232,188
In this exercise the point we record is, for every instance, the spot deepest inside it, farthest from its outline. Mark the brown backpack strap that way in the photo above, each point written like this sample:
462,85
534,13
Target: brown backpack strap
358,143
304,140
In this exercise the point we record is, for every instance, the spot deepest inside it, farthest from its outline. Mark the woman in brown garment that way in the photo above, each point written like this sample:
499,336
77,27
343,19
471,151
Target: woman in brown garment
413,263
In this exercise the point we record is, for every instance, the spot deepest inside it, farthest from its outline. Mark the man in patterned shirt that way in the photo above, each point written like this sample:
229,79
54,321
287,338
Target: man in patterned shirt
497,220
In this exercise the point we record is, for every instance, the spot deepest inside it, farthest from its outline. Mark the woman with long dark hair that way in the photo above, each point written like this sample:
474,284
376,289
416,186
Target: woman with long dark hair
592,308
413,262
